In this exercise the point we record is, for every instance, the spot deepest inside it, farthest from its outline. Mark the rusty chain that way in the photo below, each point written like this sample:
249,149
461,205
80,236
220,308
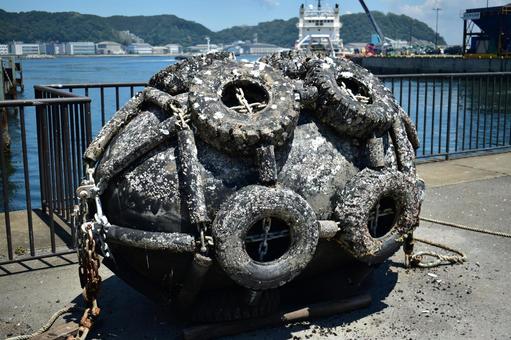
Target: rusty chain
88,258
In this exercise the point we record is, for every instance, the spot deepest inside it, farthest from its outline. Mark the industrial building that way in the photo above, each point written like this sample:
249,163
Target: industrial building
174,48
160,50
109,47
20,48
203,48
80,48
487,32
4,49
259,48
140,48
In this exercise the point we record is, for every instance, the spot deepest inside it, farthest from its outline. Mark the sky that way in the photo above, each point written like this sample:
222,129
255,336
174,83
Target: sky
219,14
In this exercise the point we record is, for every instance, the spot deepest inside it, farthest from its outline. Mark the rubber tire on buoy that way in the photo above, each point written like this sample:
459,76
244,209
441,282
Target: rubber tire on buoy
234,132
240,212
293,63
342,112
357,199
176,79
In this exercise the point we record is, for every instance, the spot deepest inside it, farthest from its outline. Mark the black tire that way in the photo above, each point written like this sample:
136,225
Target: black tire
353,211
232,305
213,93
242,211
293,63
176,79
340,110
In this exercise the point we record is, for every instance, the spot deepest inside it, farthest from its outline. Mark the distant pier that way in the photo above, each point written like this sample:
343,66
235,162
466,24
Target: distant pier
11,78
11,83
432,64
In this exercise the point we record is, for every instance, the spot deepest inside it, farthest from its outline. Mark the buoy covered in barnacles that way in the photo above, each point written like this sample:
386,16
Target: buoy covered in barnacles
225,184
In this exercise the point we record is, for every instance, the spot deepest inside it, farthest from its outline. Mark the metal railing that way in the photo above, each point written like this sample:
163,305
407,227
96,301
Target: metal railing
454,113
62,134
62,127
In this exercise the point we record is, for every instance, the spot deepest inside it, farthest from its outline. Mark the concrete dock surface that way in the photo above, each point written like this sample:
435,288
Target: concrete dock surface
470,300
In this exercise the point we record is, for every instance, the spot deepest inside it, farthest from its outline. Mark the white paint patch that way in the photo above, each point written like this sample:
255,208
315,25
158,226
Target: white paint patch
325,66
262,66
196,106
255,73
347,74
218,115
197,81
274,107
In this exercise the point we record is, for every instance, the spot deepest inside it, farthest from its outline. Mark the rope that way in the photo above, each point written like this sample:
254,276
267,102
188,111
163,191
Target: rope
464,227
47,325
417,259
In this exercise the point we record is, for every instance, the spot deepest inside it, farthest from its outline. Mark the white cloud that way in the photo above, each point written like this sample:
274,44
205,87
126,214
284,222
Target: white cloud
269,3
450,24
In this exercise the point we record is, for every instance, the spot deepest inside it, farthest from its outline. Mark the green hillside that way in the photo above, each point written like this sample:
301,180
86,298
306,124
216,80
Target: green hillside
161,29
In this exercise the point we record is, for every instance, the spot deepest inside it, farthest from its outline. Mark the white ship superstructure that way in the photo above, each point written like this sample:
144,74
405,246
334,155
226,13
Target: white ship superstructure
319,26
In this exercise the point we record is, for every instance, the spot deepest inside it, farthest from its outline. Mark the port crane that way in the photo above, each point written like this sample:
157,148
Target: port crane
373,22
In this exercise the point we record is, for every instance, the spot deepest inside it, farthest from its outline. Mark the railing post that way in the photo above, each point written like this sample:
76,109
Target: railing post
5,194
40,149
449,102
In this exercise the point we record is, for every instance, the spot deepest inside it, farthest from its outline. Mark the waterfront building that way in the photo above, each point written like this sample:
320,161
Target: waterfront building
140,48
203,48
52,48
259,48
109,47
317,24
20,48
80,48
174,48
4,49
160,50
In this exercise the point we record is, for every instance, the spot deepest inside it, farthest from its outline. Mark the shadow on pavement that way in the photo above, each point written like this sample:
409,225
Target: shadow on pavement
127,314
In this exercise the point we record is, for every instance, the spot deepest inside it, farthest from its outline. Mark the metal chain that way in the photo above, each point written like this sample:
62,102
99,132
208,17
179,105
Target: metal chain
245,106
359,98
263,246
240,95
88,259
182,117
89,279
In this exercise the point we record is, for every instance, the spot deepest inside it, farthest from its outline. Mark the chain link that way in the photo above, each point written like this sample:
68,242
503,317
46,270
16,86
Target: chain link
263,246
182,117
88,258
